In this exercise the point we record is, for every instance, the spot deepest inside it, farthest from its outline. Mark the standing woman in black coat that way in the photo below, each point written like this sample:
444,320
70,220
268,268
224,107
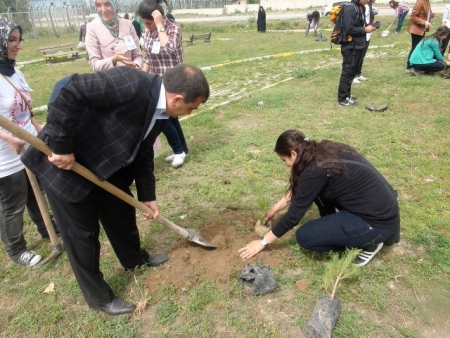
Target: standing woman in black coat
261,22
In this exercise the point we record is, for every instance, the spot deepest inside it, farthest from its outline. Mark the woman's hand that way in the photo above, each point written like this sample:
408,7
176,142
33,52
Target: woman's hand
16,144
119,57
269,215
154,207
158,18
251,249
428,24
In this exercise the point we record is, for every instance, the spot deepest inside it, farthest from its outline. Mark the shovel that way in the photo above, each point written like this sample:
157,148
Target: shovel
386,32
57,247
191,235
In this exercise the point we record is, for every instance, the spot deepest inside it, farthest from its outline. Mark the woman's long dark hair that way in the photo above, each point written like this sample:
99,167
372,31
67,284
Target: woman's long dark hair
394,3
146,8
310,153
443,30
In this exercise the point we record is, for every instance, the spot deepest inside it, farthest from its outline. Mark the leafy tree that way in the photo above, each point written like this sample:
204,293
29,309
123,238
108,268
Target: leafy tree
16,5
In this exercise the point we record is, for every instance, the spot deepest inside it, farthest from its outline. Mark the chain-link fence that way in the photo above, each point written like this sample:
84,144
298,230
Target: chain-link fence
42,17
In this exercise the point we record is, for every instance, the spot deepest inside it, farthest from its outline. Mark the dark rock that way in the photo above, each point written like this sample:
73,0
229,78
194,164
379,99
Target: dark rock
257,280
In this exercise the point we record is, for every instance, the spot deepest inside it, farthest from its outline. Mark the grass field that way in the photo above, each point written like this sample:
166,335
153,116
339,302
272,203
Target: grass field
262,85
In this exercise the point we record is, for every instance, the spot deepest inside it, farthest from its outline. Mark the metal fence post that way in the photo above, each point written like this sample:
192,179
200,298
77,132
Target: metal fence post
33,26
51,19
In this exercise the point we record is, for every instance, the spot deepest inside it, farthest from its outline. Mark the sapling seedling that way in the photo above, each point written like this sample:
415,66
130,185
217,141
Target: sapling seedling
338,269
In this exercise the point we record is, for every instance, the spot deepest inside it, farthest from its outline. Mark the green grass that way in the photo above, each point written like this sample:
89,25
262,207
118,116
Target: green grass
232,176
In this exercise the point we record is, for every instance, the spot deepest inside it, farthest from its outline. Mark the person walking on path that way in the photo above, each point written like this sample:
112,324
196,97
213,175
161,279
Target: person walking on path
108,122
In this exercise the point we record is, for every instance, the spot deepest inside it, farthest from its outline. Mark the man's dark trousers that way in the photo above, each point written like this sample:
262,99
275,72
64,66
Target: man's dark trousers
351,57
80,230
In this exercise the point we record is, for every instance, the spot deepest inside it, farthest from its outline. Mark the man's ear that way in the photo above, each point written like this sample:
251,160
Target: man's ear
176,98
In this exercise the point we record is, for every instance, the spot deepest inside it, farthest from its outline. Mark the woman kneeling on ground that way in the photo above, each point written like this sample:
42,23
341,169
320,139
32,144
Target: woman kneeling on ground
427,55
358,207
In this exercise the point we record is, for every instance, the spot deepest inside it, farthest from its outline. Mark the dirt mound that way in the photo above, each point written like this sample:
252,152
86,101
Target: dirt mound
190,262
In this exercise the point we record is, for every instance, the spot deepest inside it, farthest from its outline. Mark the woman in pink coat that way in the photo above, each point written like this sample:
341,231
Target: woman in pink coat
111,41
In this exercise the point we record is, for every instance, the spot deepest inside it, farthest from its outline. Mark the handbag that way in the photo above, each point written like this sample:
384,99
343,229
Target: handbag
28,102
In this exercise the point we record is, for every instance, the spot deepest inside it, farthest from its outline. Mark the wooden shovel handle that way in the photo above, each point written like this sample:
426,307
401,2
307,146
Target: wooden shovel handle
87,174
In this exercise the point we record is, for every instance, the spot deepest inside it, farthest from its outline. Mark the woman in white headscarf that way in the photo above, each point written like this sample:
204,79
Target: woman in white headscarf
15,189
111,41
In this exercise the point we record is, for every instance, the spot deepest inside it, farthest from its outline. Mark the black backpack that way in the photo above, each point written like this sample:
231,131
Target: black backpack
337,36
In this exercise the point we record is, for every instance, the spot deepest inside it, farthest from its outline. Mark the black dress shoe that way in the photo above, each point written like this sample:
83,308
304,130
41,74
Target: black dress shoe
116,307
156,260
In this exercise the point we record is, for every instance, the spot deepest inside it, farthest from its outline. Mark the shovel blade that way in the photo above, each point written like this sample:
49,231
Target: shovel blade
196,237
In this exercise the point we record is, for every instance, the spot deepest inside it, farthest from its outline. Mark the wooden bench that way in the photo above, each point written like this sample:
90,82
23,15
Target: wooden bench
65,49
206,37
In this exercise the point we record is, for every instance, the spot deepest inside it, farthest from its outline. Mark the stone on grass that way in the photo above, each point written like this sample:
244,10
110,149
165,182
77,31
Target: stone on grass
257,280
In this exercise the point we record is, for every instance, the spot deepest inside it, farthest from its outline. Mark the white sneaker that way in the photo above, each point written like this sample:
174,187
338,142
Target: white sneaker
169,159
365,256
28,258
362,78
355,80
178,159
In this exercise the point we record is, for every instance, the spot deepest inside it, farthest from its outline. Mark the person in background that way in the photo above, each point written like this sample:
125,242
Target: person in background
126,16
313,21
82,35
358,207
82,38
354,32
401,11
261,21
369,18
170,17
164,50
108,122
111,41
419,24
15,188
427,55
445,22
137,25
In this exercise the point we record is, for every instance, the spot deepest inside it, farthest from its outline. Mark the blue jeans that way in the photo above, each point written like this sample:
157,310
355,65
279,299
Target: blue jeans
15,193
401,18
338,231
175,137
